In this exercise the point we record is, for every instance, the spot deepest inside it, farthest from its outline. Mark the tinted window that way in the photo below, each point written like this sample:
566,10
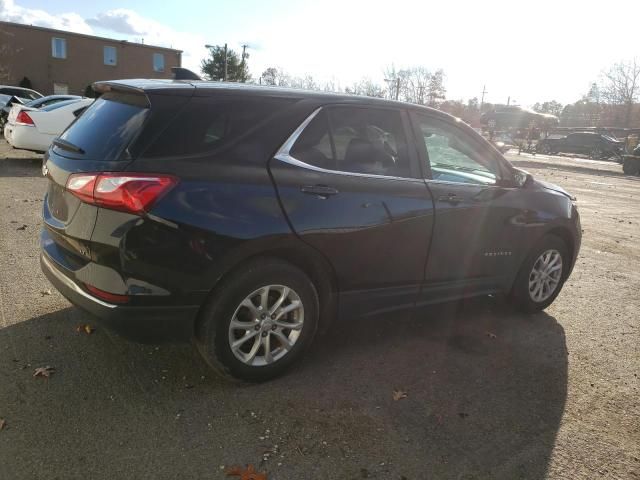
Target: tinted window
108,126
359,140
43,102
209,123
454,157
54,106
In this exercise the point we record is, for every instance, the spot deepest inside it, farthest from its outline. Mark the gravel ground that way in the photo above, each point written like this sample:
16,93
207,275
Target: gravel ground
489,393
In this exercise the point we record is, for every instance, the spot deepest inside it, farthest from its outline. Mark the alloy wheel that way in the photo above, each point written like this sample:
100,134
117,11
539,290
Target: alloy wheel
266,325
545,275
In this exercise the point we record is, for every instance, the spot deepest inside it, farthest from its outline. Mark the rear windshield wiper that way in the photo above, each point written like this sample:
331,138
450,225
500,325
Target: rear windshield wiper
58,142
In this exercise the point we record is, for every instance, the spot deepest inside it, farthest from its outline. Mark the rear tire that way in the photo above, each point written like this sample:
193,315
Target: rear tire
245,307
538,283
631,166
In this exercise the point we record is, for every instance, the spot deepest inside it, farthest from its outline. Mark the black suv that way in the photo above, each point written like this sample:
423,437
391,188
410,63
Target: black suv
595,145
247,218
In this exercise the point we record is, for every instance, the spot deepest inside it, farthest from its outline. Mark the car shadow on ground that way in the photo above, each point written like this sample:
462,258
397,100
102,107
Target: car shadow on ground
485,391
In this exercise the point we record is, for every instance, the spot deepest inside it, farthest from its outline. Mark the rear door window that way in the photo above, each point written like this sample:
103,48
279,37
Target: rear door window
107,127
358,140
209,123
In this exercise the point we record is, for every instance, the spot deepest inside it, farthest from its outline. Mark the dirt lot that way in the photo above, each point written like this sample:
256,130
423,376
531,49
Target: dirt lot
490,393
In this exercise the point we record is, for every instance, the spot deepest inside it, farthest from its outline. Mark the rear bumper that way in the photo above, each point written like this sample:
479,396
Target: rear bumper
140,323
27,138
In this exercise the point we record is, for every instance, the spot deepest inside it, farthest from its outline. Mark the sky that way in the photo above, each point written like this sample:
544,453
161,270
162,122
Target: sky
530,51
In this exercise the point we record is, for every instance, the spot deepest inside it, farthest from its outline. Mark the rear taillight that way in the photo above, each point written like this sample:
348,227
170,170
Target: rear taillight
127,192
23,118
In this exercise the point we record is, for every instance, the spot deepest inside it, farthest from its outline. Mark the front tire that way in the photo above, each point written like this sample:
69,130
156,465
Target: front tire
259,322
542,275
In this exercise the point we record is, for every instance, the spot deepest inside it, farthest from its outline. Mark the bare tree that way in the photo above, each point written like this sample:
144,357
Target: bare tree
275,77
367,88
416,84
435,89
621,85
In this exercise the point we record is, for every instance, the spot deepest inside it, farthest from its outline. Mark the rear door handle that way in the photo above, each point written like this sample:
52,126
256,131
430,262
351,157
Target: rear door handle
450,198
323,191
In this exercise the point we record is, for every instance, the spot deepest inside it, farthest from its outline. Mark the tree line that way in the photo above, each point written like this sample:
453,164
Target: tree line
611,101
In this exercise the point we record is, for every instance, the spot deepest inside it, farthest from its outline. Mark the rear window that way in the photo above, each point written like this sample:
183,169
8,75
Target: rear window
54,106
107,127
209,123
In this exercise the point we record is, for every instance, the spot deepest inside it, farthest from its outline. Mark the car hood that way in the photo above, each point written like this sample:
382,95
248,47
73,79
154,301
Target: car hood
554,187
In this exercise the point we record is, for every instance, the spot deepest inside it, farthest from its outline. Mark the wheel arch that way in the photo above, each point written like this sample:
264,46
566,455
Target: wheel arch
310,261
565,235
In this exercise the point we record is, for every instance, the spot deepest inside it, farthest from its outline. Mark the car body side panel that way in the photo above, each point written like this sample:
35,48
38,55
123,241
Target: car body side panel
375,232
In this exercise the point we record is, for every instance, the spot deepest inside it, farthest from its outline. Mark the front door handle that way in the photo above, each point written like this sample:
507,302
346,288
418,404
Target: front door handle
323,191
450,198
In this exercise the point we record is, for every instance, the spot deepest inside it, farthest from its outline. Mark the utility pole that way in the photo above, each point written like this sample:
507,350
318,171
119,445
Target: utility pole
244,48
484,90
225,62
508,100
397,87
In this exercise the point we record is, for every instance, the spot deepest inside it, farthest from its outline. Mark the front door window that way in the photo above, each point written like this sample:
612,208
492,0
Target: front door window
455,159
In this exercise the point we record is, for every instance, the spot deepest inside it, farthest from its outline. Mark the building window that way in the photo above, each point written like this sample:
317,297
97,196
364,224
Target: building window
58,47
110,56
158,62
60,88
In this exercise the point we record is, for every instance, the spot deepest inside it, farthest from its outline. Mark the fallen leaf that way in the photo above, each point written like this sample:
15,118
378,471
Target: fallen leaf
44,372
85,328
490,335
23,227
245,474
45,292
3,422
399,395
463,415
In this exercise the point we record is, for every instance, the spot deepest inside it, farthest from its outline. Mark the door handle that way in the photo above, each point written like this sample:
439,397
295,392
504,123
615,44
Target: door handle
450,198
323,191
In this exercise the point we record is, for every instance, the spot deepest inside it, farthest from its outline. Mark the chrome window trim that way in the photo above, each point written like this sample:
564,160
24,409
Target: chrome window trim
284,155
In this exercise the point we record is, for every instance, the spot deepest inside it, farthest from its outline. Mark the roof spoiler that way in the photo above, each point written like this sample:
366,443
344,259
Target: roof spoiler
180,73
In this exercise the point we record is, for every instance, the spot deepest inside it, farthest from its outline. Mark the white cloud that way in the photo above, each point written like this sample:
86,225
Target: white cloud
137,28
72,22
127,24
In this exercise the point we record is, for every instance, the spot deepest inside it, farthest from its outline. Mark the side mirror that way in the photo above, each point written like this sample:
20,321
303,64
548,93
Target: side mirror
522,178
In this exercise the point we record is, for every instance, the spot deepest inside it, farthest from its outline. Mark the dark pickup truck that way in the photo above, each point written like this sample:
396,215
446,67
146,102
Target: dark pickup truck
596,145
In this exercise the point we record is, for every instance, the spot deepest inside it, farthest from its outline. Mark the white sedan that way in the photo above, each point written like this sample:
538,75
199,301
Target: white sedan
36,129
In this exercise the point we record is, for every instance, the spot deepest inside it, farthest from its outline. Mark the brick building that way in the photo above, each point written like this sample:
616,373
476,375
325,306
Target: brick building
56,61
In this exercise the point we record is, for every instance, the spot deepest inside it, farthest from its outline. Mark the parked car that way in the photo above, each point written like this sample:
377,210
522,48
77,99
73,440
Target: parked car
247,218
36,129
11,95
595,145
34,105
25,94
517,118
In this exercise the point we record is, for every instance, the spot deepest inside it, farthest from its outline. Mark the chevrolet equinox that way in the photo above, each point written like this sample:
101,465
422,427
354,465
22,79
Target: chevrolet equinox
246,219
